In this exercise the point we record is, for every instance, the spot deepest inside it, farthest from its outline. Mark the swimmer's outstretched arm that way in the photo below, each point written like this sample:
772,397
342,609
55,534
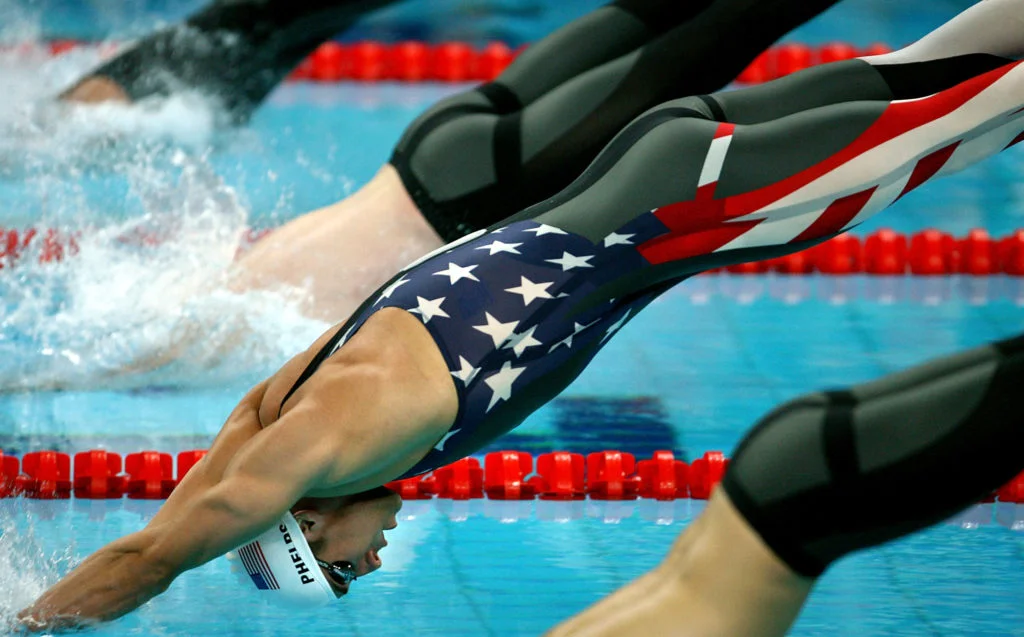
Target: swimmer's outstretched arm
821,477
366,416
235,50
268,475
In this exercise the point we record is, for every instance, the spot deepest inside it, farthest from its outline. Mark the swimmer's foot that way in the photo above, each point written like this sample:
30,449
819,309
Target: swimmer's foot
95,89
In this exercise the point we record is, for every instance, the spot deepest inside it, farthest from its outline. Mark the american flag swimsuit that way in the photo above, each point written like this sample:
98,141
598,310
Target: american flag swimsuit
518,310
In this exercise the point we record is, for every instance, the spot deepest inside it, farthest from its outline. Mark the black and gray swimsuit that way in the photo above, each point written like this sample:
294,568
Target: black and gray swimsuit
519,309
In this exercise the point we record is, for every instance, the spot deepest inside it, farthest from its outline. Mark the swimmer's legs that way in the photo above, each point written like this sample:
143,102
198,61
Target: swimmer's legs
718,580
478,157
820,477
339,254
765,191
993,27
474,141
828,474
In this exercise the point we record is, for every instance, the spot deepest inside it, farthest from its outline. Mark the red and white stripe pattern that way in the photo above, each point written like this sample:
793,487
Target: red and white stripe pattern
911,142
715,159
257,567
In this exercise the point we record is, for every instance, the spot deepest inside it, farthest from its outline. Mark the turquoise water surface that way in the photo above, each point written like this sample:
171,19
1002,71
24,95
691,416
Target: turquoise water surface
690,374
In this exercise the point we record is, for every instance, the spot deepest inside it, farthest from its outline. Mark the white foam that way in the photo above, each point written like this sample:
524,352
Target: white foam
28,570
119,314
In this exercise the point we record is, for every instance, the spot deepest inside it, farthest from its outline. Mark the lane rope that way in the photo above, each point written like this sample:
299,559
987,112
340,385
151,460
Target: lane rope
503,475
885,252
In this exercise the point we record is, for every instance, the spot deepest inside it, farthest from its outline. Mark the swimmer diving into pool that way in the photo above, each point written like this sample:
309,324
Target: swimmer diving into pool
461,346
474,158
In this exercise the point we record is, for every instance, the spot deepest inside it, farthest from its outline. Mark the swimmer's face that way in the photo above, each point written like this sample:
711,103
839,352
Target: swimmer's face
350,530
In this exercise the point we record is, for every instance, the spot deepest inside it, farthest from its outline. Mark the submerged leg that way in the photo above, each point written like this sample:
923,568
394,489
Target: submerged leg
821,477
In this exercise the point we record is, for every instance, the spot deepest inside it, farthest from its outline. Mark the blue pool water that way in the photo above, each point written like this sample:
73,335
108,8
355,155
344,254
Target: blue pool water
690,374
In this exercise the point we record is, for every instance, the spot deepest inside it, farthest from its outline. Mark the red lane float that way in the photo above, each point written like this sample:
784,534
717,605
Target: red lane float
885,252
46,475
705,473
611,476
370,61
150,475
9,470
97,475
663,477
784,59
1010,253
187,460
1013,491
461,480
506,475
561,476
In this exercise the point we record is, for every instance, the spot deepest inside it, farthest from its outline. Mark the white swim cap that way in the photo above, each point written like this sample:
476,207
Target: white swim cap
281,565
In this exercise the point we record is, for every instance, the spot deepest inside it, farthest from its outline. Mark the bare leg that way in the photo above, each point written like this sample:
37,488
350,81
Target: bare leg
821,477
718,579
343,252
95,89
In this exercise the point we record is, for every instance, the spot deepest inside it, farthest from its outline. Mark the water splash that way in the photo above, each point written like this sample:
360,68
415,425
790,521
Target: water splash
27,567
42,135
124,313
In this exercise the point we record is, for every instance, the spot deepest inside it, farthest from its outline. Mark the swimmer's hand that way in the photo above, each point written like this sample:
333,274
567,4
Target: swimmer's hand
111,582
264,478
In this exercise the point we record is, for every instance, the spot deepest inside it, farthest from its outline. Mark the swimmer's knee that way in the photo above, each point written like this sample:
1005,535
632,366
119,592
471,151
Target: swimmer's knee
700,107
800,447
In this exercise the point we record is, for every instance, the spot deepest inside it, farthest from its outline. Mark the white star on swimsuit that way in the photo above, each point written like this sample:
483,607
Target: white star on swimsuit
445,248
616,239
343,340
428,309
441,443
501,383
567,341
570,261
544,228
519,342
389,290
531,291
498,331
615,326
500,246
466,371
456,272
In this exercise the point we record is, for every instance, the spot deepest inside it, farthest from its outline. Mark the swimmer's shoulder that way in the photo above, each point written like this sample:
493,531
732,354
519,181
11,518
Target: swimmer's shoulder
392,347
